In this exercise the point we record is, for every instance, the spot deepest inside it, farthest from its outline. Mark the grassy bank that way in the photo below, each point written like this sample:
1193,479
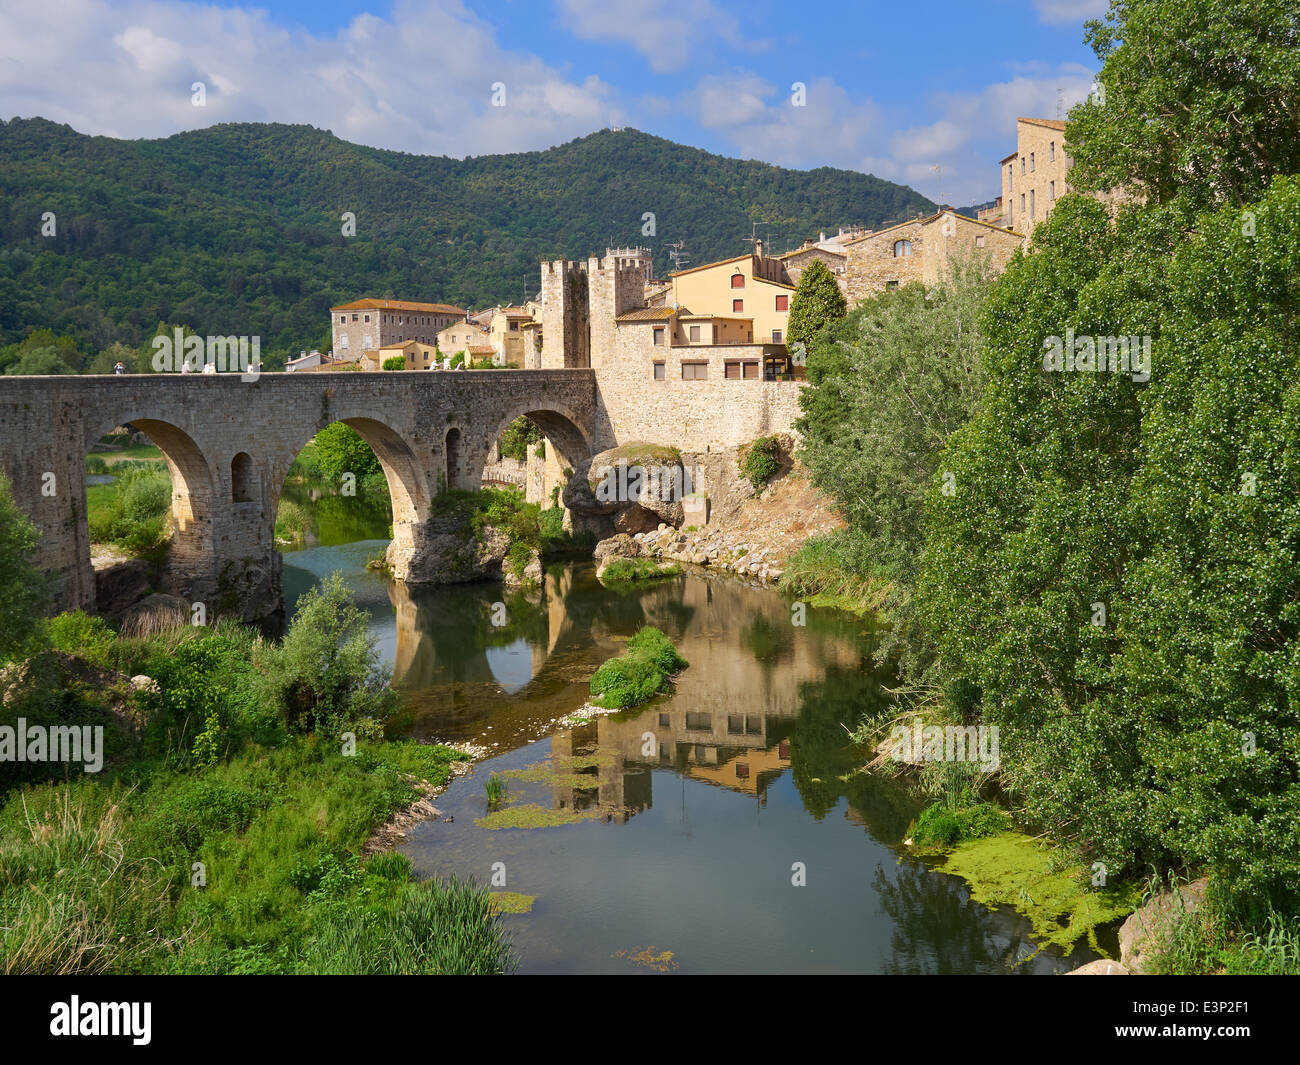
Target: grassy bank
640,674
225,832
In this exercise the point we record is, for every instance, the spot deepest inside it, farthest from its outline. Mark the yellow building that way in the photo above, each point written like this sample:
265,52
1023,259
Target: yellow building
1033,176
754,287
418,355
461,336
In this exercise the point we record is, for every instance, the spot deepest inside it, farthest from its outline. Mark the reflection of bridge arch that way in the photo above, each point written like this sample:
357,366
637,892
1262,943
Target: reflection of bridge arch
230,442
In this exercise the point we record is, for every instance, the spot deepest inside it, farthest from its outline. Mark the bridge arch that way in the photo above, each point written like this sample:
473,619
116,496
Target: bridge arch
559,424
191,556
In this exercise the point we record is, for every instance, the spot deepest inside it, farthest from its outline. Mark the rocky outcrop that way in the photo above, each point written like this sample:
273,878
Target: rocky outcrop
633,487
707,547
1142,932
123,584
529,578
426,554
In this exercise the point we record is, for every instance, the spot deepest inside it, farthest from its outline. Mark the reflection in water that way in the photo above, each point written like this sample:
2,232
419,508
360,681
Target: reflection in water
678,824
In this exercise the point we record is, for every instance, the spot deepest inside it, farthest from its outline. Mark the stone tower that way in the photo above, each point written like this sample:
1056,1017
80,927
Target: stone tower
566,340
616,284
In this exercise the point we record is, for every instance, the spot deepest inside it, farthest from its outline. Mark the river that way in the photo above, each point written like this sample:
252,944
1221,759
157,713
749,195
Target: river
720,828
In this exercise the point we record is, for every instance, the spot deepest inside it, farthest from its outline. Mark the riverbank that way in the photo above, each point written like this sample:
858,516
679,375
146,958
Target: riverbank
230,829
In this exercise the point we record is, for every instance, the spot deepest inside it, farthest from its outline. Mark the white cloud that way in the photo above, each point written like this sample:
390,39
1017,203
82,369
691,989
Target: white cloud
420,80
668,33
1057,12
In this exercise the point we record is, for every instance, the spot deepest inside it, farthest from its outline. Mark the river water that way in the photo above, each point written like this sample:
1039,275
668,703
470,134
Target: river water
720,828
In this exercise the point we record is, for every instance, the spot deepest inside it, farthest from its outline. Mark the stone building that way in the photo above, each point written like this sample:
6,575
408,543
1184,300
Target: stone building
920,250
679,375
461,336
1033,176
369,324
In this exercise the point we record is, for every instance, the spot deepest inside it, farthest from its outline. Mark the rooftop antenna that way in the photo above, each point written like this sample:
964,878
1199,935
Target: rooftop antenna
938,170
1060,100
753,238
677,254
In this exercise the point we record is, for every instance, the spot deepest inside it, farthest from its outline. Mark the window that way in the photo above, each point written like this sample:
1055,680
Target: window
737,306
732,371
343,341
891,284
243,478
777,337
698,722
1051,151
695,371
1022,203
1031,162
1051,192
1031,203
368,342
367,319
1022,166
783,302
354,317
902,248
751,371
659,336
659,371
343,319
979,240
695,334
1011,176
737,280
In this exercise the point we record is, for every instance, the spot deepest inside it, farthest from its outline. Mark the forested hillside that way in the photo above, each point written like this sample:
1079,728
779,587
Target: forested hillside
236,229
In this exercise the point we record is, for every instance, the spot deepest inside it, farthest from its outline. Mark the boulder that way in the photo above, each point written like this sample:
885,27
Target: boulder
156,613
1100,967
1145,926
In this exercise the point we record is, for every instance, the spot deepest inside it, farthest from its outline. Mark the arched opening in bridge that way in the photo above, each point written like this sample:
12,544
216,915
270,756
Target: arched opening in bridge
243,479
149,495
538,451
356,482
451,449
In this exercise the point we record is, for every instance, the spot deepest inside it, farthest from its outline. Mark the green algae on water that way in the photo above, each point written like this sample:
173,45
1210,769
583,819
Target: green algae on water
1012,869
530,815
511,902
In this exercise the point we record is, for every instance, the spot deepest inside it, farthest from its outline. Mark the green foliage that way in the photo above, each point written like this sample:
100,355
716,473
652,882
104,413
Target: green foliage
518,435
78,633
151,229
132,511
761,461
340,449
638,569
326,675
941,825
817,303
1201,101
495,788
395,362
22,587
641,673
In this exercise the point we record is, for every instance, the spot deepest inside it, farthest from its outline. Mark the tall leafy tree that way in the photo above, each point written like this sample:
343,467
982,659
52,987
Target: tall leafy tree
817,303
1198,100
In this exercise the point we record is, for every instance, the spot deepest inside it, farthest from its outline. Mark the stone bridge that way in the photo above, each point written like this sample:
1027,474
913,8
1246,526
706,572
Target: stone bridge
229,444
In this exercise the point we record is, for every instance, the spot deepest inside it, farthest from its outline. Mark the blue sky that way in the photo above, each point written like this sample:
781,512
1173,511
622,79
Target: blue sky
893,89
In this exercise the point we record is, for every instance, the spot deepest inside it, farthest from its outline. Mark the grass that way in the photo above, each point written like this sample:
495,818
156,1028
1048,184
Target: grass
135,453
828,572
638,569
223,837
640,674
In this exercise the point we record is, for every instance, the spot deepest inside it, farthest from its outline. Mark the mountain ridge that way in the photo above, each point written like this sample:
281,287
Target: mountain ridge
236,228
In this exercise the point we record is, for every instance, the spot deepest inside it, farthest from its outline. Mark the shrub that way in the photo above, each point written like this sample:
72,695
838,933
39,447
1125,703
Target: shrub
761,461
640,674
946,826
326,675
78,633
395,362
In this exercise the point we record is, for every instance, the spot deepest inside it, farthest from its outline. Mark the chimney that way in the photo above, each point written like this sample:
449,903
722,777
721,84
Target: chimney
758,247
